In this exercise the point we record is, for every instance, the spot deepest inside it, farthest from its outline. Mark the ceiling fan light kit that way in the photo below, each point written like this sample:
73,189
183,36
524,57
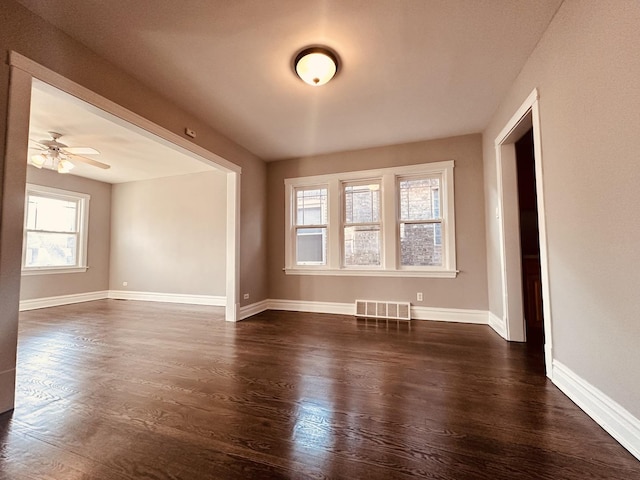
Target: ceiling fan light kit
51,162
65,166
316,65
38,161
57,156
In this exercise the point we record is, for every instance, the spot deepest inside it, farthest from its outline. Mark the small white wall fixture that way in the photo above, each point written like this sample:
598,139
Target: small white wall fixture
527,116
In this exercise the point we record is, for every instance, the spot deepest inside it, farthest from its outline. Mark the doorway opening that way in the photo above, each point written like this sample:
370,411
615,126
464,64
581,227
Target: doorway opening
13,178
529,242
24,72
141,226
522,240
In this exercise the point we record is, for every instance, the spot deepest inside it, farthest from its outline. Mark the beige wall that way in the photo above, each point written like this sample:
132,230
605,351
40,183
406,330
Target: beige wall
467,291
168,235
96,278
586,68
31,36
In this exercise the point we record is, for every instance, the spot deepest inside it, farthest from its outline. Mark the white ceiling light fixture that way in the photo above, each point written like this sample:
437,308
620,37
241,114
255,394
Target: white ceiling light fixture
316,65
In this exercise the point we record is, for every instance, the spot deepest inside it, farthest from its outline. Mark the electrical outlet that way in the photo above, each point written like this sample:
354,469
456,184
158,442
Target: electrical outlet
419,296
246,296
124,284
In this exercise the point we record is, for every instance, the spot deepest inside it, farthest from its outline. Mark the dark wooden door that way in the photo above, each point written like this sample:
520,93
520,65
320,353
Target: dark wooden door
532,299
529,241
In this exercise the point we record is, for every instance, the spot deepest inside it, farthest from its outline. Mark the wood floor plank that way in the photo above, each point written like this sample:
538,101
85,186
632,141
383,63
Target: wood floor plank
128,390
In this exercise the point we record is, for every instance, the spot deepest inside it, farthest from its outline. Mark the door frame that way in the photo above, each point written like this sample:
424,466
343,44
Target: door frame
527,116
18,140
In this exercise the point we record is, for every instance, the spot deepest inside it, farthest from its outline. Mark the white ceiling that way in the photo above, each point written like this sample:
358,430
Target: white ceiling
132,155
411,69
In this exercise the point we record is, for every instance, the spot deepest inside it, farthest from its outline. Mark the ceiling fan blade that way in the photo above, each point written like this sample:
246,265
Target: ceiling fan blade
81,151
38,145
51,143
89,161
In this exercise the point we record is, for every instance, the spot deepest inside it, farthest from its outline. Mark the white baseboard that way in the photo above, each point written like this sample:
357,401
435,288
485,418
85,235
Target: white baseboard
213,300
497,324
296,306
607,413
417,313
312,307
218,301
457,315
253,309
62,300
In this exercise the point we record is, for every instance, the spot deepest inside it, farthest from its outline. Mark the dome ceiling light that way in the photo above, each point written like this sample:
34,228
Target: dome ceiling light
316,65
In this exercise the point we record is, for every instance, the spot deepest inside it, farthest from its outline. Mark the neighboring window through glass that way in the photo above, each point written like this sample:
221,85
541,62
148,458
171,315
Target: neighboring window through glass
420,221
361,229
435,203
311,226
52,231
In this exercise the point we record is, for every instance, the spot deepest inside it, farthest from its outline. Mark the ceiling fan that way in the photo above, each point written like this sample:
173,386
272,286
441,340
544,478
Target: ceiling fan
56,155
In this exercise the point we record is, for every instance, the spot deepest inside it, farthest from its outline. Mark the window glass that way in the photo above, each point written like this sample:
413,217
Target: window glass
420,244
311,244
311,206
362,203
420,222
311,210
419,199
50,249
361,246
52,214
362,229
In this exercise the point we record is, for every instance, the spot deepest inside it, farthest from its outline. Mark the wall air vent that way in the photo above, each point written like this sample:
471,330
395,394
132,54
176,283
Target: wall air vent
384,310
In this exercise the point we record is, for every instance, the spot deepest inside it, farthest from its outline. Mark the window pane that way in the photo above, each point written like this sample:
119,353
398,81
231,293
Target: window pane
362,203
419,199
435,201
311,246
311,206
52,214
362,245
421,244
50,249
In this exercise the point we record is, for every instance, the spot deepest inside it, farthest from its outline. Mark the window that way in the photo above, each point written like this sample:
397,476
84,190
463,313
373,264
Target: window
311,226
55,238
361,228
387,222
420,221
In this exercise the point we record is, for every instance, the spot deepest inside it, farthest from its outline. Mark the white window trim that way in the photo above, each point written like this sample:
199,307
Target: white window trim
83,226
390,223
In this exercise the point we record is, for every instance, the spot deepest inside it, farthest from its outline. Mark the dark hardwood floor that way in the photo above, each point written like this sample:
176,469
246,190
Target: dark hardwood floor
121,390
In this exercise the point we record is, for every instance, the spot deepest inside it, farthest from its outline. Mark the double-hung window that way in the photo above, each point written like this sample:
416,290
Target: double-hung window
55,231
397,221
362,228
311,225
420,221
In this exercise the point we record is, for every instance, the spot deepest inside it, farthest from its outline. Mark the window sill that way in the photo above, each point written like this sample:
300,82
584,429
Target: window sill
52,270
372,273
